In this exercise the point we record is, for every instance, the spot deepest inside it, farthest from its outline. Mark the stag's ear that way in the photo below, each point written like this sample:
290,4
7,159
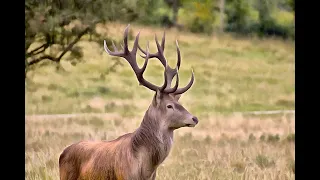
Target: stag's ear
157,98
177,97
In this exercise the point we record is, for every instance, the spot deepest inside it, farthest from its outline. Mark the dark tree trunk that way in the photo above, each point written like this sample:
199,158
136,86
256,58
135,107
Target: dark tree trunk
175,8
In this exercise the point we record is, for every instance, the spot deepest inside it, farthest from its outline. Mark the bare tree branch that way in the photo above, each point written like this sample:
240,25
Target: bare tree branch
68,48
42,58
44,46
36,50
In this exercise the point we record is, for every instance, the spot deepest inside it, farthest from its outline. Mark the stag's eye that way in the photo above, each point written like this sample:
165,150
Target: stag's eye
169,106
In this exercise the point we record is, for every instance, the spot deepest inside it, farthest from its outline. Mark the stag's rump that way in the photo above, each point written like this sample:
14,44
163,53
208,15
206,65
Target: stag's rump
94,159
75,157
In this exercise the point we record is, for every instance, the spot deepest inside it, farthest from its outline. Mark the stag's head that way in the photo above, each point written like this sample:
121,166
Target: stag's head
165,106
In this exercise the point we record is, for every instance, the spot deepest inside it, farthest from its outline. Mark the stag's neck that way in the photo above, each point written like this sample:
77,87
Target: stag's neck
153,139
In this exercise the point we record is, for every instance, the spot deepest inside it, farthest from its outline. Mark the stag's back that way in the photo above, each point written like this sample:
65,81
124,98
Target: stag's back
97,159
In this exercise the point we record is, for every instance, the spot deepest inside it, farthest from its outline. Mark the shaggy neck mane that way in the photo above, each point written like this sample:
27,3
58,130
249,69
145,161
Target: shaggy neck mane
153,137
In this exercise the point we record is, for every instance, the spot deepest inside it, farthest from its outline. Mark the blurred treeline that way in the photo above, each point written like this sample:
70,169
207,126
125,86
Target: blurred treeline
64,22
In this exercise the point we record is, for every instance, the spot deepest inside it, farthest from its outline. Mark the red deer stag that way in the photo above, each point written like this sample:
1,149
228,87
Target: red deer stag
137,155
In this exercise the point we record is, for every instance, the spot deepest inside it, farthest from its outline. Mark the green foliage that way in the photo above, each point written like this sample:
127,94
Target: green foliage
57,26
264,162
292,4
262,137
273,138
291,138
241,16
149,11
265,17
239,166
269,25
283,17
291,165
53,27
284,21
199,16
252,137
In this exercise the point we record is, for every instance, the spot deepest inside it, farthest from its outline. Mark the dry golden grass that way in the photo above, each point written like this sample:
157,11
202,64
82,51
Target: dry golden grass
218,148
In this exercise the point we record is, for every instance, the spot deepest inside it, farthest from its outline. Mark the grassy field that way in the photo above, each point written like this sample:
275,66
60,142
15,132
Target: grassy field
242,74
219,147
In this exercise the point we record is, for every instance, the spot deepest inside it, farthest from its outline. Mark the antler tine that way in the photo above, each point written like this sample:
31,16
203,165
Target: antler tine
156,55
116,53
184,89
164,86
163,41
130,56
179,55
172,72
170,76
125,40
146,60
125,47
140,72
135,45
169,72
160,54
132,60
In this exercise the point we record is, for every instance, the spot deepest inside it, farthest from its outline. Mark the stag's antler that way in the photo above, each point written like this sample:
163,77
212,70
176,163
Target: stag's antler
169,72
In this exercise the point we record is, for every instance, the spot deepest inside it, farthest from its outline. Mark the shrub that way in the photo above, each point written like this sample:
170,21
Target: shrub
199,17
263,162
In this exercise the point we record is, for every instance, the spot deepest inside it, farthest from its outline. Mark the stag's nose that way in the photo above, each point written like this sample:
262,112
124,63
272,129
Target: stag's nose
195,119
